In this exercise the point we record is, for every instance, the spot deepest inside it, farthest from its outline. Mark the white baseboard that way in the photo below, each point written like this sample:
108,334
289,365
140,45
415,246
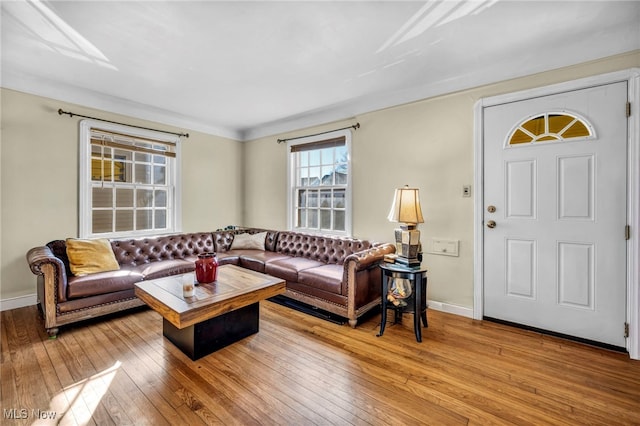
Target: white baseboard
31,299
449,308
18,302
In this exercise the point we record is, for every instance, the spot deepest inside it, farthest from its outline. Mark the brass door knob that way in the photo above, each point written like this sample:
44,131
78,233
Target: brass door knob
491,224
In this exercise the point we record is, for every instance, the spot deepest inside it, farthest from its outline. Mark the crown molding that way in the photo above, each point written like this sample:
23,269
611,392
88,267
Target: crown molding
96,100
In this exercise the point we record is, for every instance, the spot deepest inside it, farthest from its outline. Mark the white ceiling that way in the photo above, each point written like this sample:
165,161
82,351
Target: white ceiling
249,69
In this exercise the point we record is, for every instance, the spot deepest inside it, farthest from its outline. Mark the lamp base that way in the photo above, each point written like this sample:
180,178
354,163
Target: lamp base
410,262
408,245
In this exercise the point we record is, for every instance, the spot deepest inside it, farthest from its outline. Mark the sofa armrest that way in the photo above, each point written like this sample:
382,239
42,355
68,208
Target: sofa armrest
361,278
43,262
370,257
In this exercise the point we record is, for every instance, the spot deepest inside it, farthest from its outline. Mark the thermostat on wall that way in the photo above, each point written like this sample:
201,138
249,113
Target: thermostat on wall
443,246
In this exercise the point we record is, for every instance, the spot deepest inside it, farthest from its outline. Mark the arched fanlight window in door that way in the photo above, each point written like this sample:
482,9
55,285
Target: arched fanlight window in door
550,127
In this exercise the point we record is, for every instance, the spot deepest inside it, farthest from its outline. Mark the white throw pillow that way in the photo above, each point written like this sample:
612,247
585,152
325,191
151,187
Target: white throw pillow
249,241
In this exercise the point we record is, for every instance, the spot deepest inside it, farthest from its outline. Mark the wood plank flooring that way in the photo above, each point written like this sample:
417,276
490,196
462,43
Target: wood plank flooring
300,370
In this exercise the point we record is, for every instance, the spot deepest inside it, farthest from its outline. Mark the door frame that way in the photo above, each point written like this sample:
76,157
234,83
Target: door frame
632,77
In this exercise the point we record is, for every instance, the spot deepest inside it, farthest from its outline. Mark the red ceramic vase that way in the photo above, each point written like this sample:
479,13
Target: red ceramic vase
207,268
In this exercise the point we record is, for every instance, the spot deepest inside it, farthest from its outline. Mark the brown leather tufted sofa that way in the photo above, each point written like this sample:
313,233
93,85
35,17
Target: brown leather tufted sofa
338,275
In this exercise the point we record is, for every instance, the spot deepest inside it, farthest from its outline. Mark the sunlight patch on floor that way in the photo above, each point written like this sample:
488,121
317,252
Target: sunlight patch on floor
77,403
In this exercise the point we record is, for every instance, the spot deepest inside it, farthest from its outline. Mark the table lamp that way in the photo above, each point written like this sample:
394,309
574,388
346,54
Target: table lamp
406,210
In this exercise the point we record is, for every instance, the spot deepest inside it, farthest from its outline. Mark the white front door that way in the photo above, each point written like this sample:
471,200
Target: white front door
556,257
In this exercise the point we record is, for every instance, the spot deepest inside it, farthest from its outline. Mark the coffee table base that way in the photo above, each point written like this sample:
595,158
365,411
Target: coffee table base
216,333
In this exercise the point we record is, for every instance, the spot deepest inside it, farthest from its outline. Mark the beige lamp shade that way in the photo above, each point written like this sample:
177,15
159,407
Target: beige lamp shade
406,206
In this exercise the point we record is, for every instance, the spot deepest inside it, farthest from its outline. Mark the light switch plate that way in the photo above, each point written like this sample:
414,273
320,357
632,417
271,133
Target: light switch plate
443,246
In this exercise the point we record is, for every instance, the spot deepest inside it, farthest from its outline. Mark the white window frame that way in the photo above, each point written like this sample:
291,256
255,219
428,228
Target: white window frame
559,138
291,183
174,221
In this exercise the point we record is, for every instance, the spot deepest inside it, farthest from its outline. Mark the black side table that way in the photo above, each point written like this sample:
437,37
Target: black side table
417,277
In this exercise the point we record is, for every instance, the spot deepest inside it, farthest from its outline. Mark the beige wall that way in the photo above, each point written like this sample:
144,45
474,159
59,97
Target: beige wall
427,144
39,178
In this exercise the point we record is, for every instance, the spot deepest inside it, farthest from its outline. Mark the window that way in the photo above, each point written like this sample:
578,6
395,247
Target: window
550,127
320,184
128,180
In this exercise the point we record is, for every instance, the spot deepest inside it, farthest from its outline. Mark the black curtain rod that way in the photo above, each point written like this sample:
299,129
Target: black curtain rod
71,114
354,127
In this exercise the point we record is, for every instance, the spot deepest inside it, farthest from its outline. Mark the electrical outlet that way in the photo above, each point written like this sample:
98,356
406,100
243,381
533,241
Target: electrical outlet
466,190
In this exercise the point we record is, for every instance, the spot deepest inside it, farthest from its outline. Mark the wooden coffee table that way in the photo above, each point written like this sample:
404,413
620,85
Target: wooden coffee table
219,313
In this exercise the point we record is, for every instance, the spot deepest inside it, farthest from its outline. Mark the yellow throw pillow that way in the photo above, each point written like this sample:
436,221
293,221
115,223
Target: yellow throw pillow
90,256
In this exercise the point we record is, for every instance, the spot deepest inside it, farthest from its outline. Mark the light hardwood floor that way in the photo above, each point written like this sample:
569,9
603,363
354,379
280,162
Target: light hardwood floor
299,370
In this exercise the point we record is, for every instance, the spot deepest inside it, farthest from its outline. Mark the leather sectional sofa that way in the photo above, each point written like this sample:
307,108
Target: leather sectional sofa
338,275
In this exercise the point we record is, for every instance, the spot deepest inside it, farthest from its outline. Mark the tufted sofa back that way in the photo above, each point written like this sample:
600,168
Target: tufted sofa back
138,251
224,239
132,252
317,247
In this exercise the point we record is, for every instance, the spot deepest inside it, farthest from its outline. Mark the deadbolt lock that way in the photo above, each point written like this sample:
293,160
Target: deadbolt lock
491,209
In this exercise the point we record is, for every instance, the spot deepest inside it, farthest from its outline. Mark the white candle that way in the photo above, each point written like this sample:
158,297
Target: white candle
188,287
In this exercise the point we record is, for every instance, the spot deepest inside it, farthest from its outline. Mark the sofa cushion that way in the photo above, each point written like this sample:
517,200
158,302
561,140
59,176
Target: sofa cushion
228,258
288,267
90,256
249,241
325,277
102,283
256,259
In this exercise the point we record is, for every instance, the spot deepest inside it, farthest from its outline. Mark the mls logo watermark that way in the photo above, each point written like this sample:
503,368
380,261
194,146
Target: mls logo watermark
23,413
15,413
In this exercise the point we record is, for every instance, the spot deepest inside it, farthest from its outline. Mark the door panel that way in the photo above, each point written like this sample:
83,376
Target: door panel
575,274
521,268
556,259
575,187
520,189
